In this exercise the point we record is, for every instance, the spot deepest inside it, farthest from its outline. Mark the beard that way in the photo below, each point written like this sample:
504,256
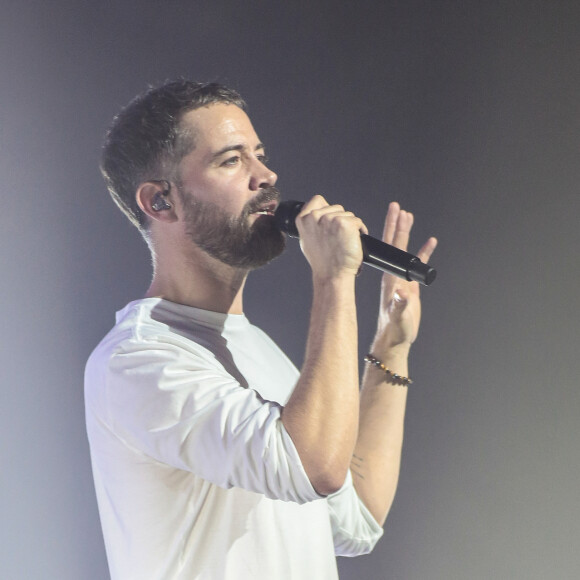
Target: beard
232,239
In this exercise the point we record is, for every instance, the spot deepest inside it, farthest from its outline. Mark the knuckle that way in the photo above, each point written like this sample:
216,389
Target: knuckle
319,199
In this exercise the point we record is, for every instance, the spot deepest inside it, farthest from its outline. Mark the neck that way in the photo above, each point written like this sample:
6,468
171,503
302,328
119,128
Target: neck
197,280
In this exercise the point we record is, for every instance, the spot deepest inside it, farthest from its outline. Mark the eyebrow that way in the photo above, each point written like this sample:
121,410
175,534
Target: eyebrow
235,148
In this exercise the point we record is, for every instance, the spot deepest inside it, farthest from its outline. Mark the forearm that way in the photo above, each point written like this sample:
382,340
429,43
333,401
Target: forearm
377,456
321,416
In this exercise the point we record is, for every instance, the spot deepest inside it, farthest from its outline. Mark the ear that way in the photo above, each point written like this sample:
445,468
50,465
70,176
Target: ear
155,200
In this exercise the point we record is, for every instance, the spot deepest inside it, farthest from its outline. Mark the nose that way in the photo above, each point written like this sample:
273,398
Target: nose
262,176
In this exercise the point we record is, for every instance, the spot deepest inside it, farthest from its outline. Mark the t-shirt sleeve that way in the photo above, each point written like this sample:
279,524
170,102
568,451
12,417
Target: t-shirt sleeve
354,530
183,409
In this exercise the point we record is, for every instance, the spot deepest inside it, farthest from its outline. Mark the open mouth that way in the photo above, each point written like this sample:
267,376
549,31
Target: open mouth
267,209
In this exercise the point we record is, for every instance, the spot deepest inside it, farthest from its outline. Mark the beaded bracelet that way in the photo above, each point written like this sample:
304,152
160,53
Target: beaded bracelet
394,377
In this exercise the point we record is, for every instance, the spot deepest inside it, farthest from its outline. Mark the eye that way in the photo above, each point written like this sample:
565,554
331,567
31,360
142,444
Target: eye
263,158
231,161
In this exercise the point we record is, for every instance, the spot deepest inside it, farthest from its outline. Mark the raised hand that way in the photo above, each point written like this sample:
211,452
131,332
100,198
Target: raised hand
400,305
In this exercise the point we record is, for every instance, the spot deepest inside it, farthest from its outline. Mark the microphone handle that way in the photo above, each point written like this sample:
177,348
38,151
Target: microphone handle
390,259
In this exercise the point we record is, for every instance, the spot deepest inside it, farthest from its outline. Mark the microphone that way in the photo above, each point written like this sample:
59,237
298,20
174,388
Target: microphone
375,252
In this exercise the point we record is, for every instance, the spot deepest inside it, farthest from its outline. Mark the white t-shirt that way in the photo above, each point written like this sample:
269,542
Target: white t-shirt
195,474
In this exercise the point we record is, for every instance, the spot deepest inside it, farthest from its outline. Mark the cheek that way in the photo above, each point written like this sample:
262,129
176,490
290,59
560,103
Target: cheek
205,188
230,192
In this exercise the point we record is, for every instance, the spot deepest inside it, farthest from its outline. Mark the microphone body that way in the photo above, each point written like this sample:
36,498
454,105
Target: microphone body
375,252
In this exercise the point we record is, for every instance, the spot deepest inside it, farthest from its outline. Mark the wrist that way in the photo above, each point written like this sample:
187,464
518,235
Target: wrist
394,373
339,279
389,351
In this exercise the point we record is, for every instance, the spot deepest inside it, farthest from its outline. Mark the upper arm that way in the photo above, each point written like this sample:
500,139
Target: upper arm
185,410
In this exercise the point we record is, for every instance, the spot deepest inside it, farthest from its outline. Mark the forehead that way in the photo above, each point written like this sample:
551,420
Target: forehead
219,124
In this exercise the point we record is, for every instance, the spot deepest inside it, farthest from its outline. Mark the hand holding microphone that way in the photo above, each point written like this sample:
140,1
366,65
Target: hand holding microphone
376,253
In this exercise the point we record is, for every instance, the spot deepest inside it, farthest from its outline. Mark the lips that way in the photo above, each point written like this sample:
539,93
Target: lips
265,203
266,209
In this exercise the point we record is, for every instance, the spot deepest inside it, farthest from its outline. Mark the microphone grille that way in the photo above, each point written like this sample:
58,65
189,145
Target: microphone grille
285,216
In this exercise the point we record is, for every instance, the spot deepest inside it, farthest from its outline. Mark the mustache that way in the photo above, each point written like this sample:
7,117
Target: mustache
266,195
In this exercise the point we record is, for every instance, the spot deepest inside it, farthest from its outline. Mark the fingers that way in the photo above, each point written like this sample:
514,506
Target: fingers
403,231
318,210
316,202
427,250
397,230
398,225
391,222
330,238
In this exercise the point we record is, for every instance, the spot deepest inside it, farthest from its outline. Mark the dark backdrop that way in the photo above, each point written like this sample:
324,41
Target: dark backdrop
466,112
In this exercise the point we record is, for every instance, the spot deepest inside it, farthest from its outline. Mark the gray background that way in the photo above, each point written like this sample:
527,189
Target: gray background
466,112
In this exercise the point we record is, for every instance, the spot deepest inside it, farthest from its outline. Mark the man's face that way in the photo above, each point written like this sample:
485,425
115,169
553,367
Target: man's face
227,192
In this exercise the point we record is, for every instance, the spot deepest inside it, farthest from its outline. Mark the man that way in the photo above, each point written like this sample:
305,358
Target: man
213,457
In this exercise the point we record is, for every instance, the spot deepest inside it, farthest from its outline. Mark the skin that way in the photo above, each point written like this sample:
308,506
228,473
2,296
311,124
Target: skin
328,419
184,273
377,455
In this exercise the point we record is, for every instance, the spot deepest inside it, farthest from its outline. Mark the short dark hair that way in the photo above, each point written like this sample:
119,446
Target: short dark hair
146,141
